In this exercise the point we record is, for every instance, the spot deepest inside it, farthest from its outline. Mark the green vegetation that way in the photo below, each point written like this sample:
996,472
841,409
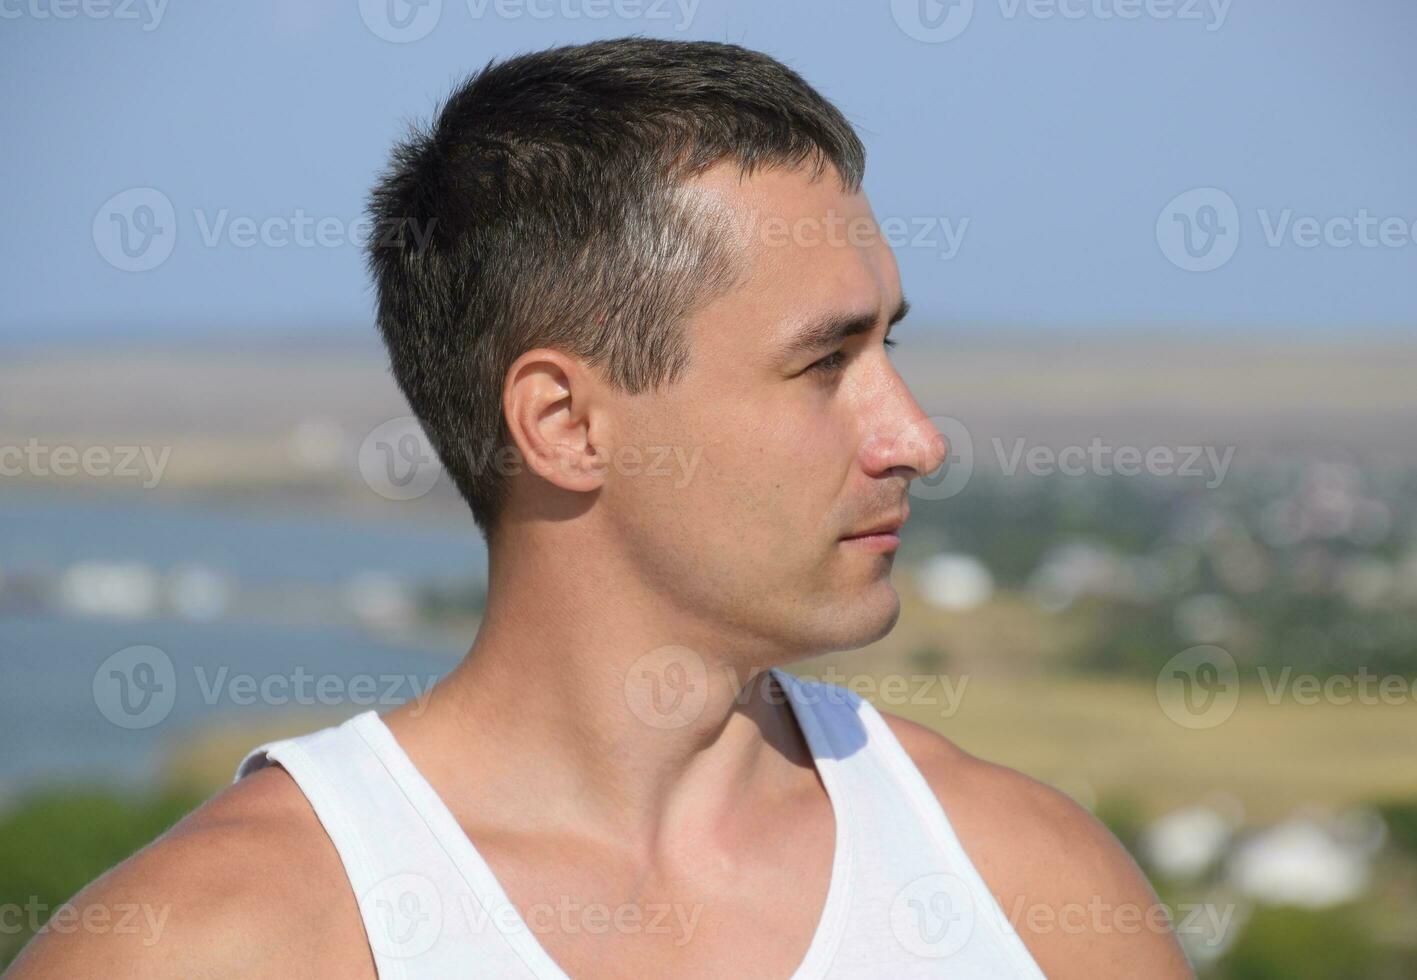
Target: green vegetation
1311,566
54,843
1288,943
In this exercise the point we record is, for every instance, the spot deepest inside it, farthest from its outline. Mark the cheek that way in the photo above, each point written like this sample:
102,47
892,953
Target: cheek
754,471
776,474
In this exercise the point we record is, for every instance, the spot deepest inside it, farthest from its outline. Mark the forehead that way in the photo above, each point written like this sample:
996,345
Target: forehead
807,249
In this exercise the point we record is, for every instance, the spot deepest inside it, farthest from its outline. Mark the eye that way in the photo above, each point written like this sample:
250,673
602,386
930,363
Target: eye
830,363
833,362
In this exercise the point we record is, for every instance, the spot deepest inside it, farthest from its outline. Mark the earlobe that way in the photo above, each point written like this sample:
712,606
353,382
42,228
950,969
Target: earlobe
570,468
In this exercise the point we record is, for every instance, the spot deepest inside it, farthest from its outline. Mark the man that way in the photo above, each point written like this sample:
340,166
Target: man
640,305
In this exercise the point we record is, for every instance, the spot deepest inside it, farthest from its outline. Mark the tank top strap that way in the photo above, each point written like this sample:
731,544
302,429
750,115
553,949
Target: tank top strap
919,903
421,914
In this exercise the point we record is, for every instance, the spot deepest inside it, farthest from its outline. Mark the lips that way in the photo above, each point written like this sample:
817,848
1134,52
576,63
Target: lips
888,526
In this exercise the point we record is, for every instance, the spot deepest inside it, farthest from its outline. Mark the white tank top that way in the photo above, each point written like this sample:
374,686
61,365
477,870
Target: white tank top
904,898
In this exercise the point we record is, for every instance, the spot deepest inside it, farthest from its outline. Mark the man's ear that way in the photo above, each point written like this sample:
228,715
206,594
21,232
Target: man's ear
549,404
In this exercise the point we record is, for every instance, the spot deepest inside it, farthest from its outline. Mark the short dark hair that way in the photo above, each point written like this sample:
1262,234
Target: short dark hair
540,209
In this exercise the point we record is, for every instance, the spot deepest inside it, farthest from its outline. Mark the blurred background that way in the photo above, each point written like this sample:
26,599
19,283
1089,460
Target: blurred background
1161,255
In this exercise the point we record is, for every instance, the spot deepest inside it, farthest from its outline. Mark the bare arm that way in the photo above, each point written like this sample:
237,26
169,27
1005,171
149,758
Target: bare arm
248,885
1069,888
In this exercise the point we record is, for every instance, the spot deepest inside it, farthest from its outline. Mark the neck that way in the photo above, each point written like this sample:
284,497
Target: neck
590,715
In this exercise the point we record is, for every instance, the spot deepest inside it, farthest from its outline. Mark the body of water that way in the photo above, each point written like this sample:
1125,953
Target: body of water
86,698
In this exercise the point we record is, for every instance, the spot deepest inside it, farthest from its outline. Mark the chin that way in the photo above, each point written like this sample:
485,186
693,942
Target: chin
863,619
886,622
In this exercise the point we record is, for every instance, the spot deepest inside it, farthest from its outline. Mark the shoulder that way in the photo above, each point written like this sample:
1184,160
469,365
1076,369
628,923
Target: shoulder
248,884
1069,888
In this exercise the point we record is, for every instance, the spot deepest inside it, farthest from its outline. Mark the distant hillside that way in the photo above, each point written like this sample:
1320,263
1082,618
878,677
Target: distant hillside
289,418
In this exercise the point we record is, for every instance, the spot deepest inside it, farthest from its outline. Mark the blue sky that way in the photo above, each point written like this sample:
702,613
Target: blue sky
1033,152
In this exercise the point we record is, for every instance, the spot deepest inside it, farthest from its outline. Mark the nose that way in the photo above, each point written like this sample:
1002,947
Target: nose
903,437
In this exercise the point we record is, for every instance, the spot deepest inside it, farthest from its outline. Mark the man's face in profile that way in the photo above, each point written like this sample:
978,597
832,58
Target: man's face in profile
797,446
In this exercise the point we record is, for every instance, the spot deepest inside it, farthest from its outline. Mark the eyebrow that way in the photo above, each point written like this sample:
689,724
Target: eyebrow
832,330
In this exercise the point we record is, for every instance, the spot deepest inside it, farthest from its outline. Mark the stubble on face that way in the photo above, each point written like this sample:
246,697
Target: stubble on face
752,540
